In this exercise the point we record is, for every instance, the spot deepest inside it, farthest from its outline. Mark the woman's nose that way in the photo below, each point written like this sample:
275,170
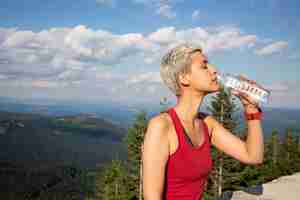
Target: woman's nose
213,70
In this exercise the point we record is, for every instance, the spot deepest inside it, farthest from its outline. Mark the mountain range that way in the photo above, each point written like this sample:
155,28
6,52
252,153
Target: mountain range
88,134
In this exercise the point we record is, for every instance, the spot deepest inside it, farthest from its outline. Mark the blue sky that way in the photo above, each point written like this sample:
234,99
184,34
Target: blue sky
101,50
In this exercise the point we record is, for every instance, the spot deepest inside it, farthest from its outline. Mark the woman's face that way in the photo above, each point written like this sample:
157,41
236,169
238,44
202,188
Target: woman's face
202,76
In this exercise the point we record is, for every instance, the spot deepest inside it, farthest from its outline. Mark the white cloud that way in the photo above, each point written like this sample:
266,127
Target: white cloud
4,32
145,77
2,77
164,8
196,15
224,38
67,52
20,39
278,87
284,94
163,36
47,54
272,48
229,38
78,61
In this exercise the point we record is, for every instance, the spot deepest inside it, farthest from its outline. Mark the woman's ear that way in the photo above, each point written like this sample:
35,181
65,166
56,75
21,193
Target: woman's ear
183,79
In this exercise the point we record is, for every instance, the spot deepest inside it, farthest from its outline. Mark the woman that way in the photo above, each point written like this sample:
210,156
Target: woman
176,150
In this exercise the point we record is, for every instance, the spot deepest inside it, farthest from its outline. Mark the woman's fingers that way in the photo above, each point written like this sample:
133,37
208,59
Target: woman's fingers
245,98
234,92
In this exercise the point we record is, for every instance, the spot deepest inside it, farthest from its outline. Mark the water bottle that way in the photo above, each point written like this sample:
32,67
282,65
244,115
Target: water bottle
257,93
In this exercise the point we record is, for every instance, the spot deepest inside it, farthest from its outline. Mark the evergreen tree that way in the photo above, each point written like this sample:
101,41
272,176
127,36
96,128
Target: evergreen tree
288,144
270,165
134,141
274,148
112,182
298,142
298,152
288,154
223,108
293,152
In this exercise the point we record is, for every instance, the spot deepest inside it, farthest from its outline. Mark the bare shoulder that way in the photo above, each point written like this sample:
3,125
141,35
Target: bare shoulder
160,122
156,140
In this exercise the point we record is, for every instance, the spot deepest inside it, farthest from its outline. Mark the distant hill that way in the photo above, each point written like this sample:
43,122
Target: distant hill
54,156
83,139
40,143
123,115
120,115
282,119
88,133
278,119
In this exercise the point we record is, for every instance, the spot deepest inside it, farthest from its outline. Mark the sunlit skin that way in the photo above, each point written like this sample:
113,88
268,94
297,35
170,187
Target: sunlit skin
161,139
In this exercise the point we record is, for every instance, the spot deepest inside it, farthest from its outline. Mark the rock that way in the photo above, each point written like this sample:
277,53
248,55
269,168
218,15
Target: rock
286,187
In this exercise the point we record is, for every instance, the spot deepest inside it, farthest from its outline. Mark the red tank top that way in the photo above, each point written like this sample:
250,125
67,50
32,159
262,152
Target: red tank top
188,167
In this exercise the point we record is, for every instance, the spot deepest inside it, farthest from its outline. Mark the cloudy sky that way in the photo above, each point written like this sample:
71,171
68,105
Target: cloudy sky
101,50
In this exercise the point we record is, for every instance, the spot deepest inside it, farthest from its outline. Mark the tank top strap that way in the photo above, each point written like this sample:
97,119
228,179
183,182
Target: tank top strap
177,125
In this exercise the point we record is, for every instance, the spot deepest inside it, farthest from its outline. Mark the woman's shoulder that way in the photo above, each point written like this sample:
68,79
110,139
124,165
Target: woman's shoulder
157,130
161,120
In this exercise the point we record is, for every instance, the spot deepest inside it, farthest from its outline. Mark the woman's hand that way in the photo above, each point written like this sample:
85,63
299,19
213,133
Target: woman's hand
249,103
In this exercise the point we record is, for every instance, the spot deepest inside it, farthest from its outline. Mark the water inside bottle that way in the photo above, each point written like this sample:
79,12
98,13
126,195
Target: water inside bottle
233,82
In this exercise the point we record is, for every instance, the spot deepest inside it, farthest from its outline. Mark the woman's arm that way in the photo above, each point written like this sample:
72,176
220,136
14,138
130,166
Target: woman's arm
249,151
155,155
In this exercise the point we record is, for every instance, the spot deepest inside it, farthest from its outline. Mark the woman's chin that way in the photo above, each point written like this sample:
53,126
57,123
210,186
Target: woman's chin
216,88
212,90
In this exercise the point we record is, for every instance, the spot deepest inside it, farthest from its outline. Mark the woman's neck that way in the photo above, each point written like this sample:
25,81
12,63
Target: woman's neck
187,107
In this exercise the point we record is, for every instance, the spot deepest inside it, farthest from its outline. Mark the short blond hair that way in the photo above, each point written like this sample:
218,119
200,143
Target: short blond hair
176,61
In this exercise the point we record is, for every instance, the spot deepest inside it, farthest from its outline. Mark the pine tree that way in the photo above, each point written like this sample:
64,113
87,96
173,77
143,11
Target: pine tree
287,154
271,155
288,145
298,142
271,149
223,108
293,151
124,181
112,182
134,141
298,152
274,147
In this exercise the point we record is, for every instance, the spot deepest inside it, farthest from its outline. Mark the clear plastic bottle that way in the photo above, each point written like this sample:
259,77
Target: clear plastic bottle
230,81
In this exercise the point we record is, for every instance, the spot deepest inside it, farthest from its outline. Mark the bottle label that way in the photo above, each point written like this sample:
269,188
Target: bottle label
255,92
